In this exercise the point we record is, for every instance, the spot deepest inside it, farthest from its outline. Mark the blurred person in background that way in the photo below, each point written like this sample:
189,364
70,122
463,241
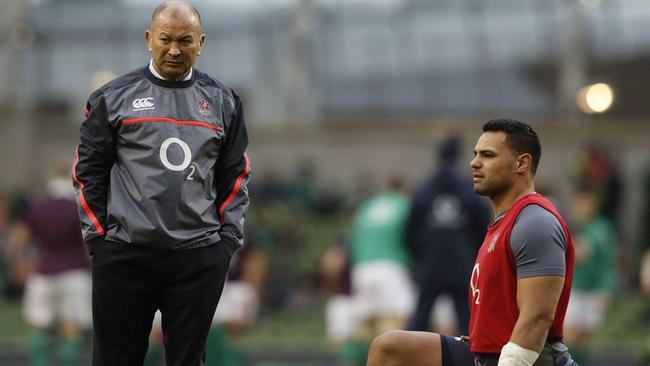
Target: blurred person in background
57,299
594,278
381,282
595,168
16,267
444,230
521,281
161,176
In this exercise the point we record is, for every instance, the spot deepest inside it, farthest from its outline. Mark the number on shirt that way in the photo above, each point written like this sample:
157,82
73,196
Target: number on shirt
473,283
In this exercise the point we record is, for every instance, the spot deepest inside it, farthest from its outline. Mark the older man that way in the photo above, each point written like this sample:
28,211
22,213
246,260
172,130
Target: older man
161,174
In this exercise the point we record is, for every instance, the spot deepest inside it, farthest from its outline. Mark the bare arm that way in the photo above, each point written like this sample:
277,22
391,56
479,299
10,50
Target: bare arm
537,299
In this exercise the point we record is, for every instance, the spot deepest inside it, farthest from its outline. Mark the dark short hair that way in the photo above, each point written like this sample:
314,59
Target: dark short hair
520,138
164,6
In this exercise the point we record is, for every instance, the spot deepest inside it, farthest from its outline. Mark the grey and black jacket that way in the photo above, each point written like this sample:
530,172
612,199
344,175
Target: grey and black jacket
162,164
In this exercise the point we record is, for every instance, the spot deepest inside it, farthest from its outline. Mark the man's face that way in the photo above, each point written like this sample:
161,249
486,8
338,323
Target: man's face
494,164
174,42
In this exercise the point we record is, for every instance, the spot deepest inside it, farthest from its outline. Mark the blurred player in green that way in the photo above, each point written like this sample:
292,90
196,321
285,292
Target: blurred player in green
594,279
382,289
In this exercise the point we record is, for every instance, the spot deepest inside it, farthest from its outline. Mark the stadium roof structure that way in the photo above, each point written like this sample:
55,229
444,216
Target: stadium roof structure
391,57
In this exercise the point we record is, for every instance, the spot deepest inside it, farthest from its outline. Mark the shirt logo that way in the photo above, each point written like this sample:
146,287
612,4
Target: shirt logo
204,107
493,243
143,104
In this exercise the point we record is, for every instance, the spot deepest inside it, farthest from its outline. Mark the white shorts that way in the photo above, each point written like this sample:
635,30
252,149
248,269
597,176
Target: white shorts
586,309
65,297
341,318
382,289
239,303
444,313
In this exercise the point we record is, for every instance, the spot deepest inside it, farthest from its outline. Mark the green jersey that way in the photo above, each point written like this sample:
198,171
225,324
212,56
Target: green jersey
378,229
597,271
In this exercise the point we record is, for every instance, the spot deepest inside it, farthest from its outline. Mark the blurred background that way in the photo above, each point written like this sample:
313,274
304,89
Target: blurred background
345,101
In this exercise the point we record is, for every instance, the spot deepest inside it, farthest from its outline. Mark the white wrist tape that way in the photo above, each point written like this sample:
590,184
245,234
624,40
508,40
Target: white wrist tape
513,354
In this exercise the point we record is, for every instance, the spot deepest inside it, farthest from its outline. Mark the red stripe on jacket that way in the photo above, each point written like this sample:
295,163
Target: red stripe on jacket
171,120
235,189
84,203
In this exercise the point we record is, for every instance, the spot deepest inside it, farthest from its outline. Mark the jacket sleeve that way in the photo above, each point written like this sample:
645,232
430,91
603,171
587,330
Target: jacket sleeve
233,173
94,158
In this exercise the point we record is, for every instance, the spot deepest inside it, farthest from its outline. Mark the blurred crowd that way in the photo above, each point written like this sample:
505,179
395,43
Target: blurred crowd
381,256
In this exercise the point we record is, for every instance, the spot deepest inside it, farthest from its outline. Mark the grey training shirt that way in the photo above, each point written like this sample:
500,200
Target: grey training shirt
538,243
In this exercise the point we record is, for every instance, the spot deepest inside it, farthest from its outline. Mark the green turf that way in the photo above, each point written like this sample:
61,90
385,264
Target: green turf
13,330
626,330
286,331
302,330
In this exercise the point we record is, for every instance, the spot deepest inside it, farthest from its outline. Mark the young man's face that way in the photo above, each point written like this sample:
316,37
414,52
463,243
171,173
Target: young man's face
494,164
174,42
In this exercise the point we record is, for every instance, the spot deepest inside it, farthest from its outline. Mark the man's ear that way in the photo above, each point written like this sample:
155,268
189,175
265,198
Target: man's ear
524,162
201,41
148,39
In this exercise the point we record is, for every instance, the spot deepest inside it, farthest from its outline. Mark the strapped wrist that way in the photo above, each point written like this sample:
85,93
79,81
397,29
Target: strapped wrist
513,354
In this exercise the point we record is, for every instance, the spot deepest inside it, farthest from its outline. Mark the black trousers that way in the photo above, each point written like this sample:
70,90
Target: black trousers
130,284
429,291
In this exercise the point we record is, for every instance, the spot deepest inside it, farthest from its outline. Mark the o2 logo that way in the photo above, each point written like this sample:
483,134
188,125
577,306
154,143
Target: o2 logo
187,157
473,284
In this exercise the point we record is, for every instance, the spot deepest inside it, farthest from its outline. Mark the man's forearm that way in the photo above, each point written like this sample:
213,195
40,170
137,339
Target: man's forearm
530,332
537,299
